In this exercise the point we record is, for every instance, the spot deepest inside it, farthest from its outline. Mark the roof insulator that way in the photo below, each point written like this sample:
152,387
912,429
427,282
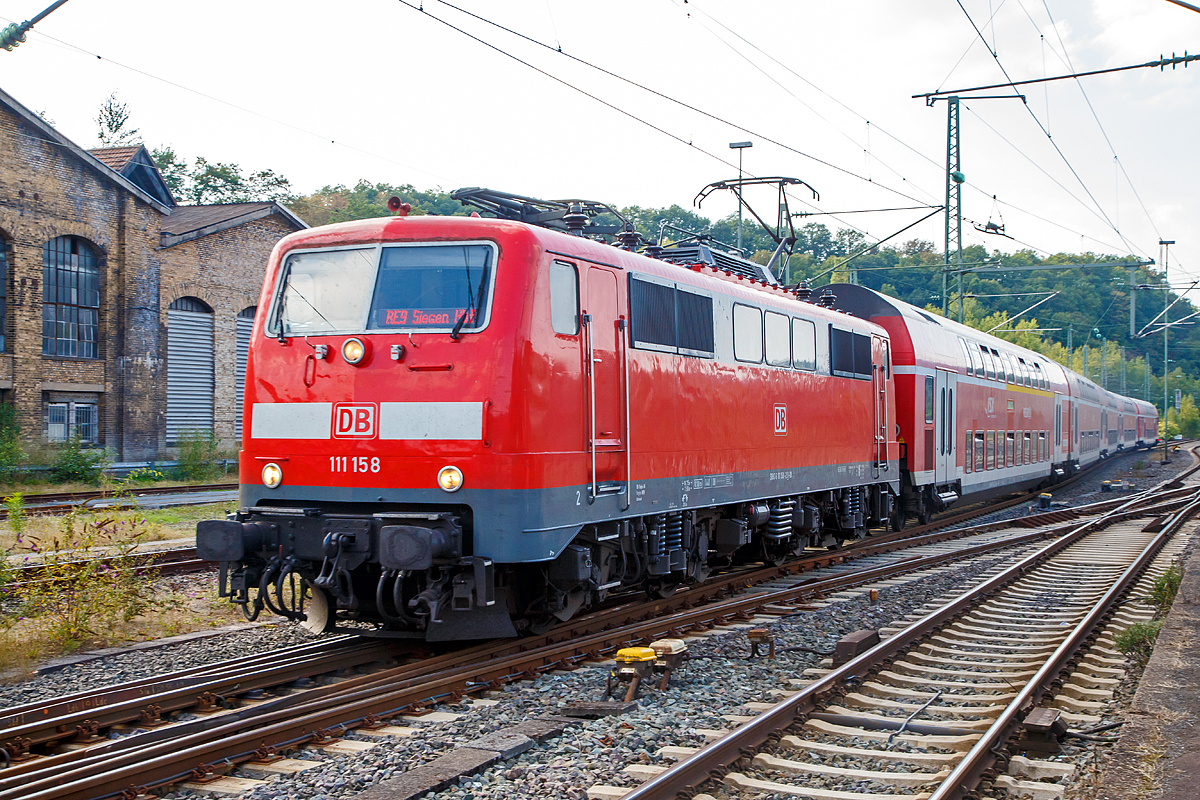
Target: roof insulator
827,299
803,292
575,219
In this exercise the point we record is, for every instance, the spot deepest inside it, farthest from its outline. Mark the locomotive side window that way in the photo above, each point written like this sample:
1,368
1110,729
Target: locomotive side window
747,334
850,354
432,286
564,298
928,399
324,292
804,344
779,340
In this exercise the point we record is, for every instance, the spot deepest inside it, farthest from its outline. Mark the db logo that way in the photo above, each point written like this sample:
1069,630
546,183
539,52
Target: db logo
780,420
354,420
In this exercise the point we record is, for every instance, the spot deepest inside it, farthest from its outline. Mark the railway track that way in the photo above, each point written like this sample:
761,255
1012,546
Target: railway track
65,502
930,712
245,711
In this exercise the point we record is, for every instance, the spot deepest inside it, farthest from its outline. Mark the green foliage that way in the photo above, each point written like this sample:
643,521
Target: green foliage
73,462
10,442
203,182
368,200
14,504
94,576
112,123
198,454
1166,586
1137,641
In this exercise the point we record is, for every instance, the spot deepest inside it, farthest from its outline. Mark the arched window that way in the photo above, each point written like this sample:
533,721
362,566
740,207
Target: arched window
70,298
189,367
245,324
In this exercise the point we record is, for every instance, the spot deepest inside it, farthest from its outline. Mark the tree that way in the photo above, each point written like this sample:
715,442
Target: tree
1189,417
204,182
113,125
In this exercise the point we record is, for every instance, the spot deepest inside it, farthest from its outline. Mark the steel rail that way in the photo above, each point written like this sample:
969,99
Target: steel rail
706,763
968,773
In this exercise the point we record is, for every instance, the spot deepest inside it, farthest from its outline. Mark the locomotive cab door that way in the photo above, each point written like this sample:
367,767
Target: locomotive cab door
607,369
945,388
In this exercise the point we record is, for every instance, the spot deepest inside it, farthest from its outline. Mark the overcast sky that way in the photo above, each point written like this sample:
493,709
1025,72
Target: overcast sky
329,93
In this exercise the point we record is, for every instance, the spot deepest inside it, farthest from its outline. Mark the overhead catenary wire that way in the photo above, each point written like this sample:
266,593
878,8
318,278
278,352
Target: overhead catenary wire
1049,138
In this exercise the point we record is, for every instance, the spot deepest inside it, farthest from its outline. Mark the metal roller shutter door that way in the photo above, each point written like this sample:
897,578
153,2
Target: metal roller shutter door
244,326
189,372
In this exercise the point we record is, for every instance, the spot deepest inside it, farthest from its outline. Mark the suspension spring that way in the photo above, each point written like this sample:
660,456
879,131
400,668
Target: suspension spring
779,526
674,531
854,504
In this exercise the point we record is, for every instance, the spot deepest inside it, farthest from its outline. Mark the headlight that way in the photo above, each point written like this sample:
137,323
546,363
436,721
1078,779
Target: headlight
353,350
450,479
272,475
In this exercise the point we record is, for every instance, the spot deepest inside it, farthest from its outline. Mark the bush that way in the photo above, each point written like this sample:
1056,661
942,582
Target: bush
10,443
198,453
1138,639
72,462
94,577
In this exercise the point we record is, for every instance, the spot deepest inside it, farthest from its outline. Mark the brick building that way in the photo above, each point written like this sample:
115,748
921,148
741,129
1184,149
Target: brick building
121,313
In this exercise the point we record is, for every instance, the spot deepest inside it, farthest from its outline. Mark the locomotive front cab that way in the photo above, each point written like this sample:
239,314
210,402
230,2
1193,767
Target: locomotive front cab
364,444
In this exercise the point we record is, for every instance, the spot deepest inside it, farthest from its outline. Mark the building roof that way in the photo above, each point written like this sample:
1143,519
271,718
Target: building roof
116,157
193,222
106,172
135,163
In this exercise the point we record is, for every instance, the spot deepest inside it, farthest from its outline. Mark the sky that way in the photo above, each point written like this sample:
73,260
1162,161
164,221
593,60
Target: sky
437,96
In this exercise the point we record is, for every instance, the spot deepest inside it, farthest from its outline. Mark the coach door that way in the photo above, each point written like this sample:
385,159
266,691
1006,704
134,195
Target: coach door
1058,428
946,384
879,375
605,356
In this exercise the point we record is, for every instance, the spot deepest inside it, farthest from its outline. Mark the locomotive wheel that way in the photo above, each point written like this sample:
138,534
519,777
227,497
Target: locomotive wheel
774,556
925,515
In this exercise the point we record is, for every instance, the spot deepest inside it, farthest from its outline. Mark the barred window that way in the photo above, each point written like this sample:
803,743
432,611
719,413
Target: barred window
67,420
70,298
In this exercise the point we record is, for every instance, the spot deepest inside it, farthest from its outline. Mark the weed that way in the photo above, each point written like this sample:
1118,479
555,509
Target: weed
94,577
73,462
144,475
14,504
198,453
1138,639
1166,586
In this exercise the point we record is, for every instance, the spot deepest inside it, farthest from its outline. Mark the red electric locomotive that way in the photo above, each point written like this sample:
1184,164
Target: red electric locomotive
461,427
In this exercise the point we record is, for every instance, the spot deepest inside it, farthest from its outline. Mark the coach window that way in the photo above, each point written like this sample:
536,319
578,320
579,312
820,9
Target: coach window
991,449
779,340
1028,449
1009,452
1039,379
977,360
967,355
804,344
1006,365
968,456
564,298
929,399
987,362
1019,440
747,334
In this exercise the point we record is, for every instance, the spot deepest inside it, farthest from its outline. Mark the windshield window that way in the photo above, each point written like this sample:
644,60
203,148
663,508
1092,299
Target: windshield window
325,292
432,287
